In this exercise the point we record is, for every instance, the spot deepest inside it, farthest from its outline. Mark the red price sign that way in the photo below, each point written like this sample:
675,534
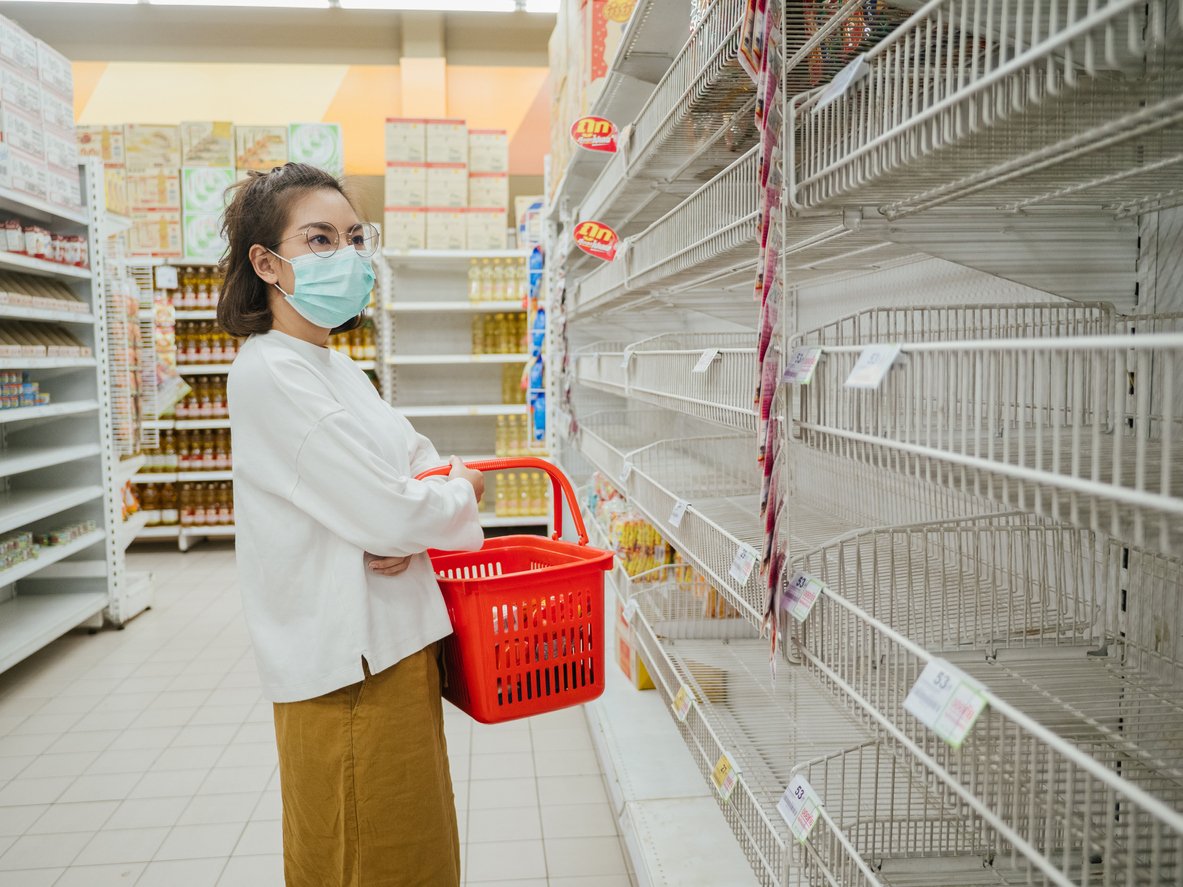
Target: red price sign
597,240
595,134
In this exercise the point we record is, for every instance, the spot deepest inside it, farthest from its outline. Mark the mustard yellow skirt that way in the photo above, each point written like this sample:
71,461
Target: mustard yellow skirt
366,789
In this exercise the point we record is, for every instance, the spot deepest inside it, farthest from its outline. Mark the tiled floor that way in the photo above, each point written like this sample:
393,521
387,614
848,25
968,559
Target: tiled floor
147,757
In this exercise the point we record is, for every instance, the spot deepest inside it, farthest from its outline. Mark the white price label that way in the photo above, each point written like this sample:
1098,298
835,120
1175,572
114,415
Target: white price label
799,805
946,700
802,362
744,563
626,472
166,277
682,702
802,594
873,364
855,71
725,776
704,362
678,513
630,610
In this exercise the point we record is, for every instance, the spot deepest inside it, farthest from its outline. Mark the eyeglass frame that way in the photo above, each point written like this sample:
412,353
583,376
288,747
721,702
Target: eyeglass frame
303,232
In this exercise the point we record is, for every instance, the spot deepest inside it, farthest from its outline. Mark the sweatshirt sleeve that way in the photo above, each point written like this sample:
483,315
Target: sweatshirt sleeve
364,500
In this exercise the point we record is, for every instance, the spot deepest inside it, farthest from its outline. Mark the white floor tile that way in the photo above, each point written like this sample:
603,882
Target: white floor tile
504,824
495,794
113,846
169,784
195,757
16,820
187,872
35,877
22,746
231,780
83,740
505,861
261,838
250,754
205,809
33,791
12,766
74,764
570,857
85,817
123,760
149,737
269,807
503,766
119,875
578,821
253,871
559,790
201,841
43,851
147,812
593,881
204,734
571,762
102,787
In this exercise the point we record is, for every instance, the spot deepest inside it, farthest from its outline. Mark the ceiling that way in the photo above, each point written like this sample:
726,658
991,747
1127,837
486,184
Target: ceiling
100,32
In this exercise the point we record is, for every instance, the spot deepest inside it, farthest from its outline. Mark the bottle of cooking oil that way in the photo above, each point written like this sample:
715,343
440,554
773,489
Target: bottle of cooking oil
478,335
499,508
499,449
474,281
486,276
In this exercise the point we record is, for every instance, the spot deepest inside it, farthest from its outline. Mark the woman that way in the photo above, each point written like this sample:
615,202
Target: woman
342,604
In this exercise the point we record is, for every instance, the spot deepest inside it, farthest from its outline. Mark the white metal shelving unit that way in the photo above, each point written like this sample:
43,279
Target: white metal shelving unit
990,196
426,366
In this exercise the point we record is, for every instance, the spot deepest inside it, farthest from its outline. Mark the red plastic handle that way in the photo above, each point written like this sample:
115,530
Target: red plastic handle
558,481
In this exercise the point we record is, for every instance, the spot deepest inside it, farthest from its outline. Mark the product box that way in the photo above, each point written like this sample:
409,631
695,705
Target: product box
405,227
406,140
447,185
260,147
207,143
604,22
318,144
447,141
103,142
17,46
406,184
203,190
203,236
488,150
28,174
55,69
155,233
447,228
485,228
148,147
488,189
115,187
21,91
58,111
528,211
64,186
22,130
627,657
154,190
61,149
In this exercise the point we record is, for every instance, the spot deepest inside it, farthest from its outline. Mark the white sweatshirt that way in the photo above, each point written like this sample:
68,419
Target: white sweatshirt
324,474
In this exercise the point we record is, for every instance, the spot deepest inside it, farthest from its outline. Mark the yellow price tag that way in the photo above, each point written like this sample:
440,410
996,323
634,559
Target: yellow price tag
725,776
682,702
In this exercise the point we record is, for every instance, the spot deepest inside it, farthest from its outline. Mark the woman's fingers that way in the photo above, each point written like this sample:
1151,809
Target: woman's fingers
390,566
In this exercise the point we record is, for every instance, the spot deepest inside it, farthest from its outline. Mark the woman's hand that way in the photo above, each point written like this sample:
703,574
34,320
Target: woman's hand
388,566
473,477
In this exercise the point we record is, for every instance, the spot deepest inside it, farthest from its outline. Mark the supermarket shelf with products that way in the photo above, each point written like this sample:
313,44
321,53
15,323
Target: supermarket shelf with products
41,267
449,259
36,210
30,621
48,411
131,529
506,307
47,555
17,312
449,411
441,359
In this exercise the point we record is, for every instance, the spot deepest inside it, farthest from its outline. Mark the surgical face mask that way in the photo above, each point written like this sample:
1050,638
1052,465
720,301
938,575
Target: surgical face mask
328,292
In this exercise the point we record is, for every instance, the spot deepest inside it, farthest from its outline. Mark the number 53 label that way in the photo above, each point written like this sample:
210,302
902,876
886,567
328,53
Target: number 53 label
798,805
946,700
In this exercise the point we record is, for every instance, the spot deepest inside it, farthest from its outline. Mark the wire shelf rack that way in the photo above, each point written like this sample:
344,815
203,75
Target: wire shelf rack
601,365
1077,763
668,371
1080,429
1015,103
609,437
711,231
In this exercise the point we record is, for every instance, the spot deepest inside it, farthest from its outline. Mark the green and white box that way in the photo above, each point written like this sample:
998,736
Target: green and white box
203,236
203,189
318,144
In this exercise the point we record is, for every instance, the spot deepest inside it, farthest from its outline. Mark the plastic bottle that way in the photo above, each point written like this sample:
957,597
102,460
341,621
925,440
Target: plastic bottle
474,281
225,504
500,449
525,495
499,507
486,279
150,503
538,332
478,335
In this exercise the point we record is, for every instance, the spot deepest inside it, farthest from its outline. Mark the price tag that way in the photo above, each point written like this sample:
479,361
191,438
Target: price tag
678,513
802,362
799,805
872,366
803,592
704,362
630,610
725,776
626,472
946,700
855,71
744,563
166,277
682,702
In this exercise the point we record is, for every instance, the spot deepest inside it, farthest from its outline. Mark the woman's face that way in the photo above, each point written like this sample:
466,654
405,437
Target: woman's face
315,221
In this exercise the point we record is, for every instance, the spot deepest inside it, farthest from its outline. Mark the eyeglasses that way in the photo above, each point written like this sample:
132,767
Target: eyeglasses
324,239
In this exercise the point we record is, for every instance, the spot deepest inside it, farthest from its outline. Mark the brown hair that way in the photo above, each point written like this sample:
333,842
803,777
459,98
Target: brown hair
258,214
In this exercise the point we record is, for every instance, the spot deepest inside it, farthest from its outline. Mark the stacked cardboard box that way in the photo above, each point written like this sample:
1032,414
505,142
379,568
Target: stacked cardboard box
446,187
207,175
38,153
106,144
152,155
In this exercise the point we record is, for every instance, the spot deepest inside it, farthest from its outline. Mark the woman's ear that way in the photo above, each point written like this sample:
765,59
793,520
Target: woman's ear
264,263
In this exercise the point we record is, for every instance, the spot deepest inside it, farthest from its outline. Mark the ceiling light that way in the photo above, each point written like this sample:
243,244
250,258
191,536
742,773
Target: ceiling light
115,2
546,7
272,4
433,5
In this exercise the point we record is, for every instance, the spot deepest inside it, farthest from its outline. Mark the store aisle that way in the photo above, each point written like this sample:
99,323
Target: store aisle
146,757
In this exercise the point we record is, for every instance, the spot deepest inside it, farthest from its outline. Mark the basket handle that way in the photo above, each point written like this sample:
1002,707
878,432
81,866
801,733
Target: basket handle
558,481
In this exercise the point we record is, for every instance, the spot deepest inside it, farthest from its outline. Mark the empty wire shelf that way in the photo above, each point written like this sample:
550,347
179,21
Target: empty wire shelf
677,372
601,365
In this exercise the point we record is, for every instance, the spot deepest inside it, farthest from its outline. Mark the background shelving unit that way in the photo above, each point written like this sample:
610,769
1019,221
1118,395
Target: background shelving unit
452,395
986,190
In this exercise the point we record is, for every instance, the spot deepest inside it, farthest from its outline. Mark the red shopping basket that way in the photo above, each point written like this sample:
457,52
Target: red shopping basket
527,615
